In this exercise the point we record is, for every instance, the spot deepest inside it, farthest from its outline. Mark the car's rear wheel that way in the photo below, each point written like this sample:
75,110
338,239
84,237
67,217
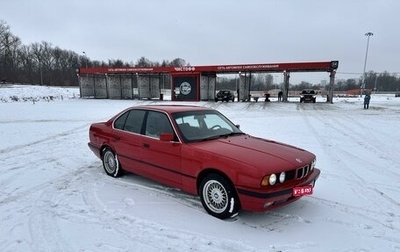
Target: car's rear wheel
219,197
110,163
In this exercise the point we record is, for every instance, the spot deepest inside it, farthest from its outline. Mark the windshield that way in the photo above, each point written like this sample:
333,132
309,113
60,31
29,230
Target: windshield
204,125
308,92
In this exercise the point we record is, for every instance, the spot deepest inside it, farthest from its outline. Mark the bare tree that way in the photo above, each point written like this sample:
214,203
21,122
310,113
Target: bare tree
9,49
178,62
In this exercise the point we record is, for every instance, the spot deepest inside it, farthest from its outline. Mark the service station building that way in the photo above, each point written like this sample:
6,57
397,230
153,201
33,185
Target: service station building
189,83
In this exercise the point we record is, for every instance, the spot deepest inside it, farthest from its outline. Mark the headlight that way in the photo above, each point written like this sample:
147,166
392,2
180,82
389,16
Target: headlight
272,179
282,177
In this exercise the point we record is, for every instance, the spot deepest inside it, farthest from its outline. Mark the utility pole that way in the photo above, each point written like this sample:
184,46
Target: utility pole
368,34
86,59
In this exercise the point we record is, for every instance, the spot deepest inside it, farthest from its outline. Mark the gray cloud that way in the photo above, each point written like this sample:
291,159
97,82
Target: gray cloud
209,32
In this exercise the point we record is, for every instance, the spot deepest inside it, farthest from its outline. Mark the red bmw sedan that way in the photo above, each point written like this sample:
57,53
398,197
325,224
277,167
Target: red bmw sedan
201,152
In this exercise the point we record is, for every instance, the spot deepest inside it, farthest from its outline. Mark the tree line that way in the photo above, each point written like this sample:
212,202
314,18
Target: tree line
382,82
45,64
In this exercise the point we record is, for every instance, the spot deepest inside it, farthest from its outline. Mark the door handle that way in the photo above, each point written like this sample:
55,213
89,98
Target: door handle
117,138
145,145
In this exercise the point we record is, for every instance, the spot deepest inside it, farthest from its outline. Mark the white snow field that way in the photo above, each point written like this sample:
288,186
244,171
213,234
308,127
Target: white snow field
55,196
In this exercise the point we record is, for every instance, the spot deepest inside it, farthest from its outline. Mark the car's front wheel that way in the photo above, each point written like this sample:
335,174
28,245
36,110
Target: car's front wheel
219,197
110,163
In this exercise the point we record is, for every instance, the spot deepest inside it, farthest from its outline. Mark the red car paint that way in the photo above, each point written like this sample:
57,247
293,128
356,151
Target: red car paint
183,161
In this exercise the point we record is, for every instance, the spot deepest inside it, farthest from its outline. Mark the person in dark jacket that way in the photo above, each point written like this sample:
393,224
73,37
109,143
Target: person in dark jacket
280,96
367,98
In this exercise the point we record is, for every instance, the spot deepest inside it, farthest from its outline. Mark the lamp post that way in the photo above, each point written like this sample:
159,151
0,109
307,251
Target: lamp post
368,34
84,53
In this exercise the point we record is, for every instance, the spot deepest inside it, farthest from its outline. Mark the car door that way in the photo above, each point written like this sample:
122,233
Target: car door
128,139
162,158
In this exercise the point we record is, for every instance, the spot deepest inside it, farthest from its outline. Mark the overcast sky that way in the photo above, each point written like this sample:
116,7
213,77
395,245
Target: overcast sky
210,32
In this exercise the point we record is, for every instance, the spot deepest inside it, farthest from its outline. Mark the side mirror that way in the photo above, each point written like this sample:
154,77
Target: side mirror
167,137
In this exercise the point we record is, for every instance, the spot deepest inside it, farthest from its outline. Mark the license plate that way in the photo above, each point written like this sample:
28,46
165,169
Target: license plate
302,190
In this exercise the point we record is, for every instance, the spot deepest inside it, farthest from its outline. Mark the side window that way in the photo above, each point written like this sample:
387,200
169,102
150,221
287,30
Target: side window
157,123
134,121
120,121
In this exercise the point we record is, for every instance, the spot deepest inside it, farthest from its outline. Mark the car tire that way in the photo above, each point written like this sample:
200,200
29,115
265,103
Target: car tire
219,197
111,163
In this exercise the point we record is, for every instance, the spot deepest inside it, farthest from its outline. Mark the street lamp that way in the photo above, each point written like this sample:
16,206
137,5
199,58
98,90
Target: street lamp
84,53
368,34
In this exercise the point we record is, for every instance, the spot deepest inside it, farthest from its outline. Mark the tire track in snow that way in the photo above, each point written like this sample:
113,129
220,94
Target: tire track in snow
390,231
37,155
370,144
24,194
370,194
35,211
43,167
276,220
43,226
366,213
59,202
152,235
349,132
51,138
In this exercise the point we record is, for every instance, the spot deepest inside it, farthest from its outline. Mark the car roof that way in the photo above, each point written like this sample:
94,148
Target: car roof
171,108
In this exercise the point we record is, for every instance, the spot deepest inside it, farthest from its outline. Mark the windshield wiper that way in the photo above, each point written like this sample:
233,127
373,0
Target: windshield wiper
221,136
232,134
209,138
236,133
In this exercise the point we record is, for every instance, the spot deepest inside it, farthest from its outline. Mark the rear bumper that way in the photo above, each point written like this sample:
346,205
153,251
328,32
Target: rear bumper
95,149
260,201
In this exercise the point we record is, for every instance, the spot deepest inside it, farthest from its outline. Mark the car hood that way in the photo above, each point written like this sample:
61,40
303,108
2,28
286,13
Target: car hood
258,152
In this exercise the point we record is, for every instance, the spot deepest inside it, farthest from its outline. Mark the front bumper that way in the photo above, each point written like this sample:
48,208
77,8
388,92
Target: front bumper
260,201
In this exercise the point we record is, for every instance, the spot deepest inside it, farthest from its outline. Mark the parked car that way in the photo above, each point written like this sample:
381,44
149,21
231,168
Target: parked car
397,95
225,95
201,152
308,95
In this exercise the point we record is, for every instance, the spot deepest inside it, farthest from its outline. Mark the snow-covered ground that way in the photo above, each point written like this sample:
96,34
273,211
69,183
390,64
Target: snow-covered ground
54,195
